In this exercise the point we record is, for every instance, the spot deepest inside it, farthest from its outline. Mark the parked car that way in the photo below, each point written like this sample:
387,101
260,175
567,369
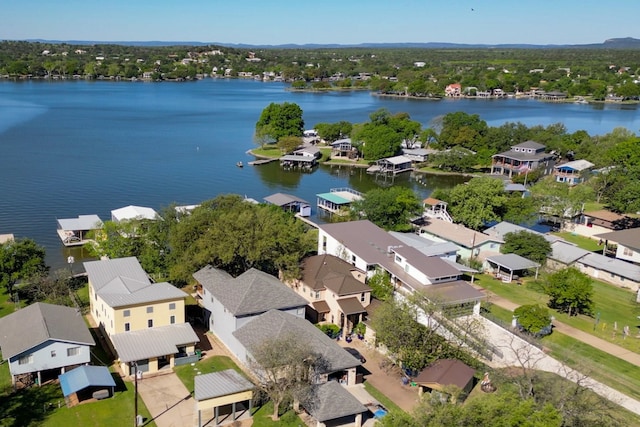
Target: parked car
355,353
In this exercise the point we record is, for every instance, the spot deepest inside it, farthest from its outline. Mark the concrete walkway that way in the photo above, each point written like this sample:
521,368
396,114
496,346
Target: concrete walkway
600,344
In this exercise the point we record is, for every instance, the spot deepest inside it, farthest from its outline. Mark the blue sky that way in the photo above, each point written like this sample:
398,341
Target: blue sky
325,21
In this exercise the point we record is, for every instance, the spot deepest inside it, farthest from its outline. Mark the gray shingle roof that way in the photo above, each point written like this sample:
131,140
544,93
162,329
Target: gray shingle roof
122,281
38,323
432,267
275,324
153,342
499,230
330,401
221,383
252,292
629,237
333,273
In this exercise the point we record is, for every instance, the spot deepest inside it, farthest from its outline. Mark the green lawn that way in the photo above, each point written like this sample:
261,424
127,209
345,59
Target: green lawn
187,373
267,151
380,397
7,306
583,242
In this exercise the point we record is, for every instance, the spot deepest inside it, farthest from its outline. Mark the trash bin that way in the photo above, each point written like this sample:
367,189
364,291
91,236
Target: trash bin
199,353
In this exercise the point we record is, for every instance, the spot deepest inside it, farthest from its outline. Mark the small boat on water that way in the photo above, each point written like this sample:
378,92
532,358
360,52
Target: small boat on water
239,164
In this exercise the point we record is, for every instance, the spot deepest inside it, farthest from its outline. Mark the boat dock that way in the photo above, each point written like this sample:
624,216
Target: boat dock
261,162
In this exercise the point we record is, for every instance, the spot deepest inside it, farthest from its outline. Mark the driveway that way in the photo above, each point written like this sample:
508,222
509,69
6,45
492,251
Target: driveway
168,401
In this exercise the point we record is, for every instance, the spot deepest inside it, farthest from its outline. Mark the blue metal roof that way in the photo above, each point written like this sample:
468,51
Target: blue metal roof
85,376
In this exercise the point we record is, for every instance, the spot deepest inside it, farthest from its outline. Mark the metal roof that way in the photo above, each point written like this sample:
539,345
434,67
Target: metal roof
502,228
615,266
297,158
275,324
426,246
457,233
431,266
104,271
40,322
334,198
566,253
133,212
85,376
330,400
83,222
252,292
282,199
396,160
513,262
152,292
577,165
223,383
153,342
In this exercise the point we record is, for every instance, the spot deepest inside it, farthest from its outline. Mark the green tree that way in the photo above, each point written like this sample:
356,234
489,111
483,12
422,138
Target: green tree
390,208
457,159
382,136
287,144
381,287
465,130
280,120
529,245
20,260
333,131
533,318
570,291
478,202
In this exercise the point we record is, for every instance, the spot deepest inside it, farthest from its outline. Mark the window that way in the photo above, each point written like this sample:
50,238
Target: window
317,294
353,259
53,353
150,323
127,327
398,259
628,252
172,306
150,309
126,313
362,297
25,360
73,351
324,243
172,319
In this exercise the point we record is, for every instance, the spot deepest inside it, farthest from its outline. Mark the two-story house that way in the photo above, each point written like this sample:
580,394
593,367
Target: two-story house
231,302
44,340
573,172
521,159
335,290
371,249
144,321
246,311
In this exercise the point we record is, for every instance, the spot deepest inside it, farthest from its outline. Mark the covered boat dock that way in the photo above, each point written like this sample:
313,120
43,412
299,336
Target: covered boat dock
73,231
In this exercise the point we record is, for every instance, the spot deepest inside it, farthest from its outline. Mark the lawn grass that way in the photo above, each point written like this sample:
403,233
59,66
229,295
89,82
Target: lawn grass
7,305
262,418
270,151
583,242
380,397
187,373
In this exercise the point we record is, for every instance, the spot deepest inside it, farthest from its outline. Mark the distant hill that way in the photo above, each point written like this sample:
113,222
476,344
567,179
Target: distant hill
615,43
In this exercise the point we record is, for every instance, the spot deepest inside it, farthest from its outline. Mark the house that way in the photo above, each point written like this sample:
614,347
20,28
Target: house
592,223
611,270
343,148
45,340
275,325
289,203
371,249
522,158
443,374
131,212
572,173
453,90
333,405
231,302
73,231
627,241
144,321
473,244
337,200
334,289
86,382
417,155
445,250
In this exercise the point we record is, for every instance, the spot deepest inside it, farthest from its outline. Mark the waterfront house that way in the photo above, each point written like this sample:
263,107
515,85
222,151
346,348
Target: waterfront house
453,90
592,223
371,249
572,173
144,321
231,302
44,340
338,200
73,231
334,289
343,148
289,203
521,159
392,165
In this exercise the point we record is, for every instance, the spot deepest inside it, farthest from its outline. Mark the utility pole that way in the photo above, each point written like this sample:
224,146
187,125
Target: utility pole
135,381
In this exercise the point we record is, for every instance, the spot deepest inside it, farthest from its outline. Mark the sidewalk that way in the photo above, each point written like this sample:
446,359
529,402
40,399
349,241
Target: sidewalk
563,328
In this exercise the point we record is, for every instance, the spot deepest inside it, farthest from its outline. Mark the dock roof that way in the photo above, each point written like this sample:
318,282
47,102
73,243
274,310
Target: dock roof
282,199
133,212
83,222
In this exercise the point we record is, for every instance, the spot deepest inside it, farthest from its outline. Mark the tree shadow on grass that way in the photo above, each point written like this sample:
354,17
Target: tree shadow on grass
30,406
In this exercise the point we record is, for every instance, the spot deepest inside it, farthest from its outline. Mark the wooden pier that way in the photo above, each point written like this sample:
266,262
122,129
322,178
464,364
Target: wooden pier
261,162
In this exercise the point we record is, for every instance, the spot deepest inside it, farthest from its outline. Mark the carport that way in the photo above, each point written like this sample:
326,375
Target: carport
223,392
504,266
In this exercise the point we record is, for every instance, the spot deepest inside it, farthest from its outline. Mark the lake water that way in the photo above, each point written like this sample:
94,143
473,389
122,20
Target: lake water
78,147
